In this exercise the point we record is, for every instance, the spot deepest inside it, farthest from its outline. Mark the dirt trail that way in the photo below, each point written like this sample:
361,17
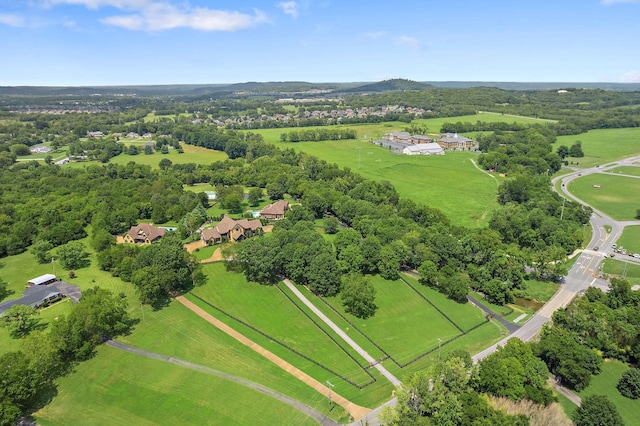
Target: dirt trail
322,419
355,410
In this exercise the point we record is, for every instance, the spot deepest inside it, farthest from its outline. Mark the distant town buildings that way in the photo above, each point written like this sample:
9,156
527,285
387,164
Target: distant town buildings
408,144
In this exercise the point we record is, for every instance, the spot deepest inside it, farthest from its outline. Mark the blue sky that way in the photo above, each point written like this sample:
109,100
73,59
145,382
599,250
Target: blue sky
116,42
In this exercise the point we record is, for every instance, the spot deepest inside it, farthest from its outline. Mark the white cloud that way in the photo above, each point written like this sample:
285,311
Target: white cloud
289,8
631,77
409,41
12,20
153,15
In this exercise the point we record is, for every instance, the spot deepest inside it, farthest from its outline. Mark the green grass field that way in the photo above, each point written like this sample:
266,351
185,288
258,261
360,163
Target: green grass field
192,154
626,170
267,309
617,268
448,182
605,384
404,325
630,239
116,387
603,145
615,196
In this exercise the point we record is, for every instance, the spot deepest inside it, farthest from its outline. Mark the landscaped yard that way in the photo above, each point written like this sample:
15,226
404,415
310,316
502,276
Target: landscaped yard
613,195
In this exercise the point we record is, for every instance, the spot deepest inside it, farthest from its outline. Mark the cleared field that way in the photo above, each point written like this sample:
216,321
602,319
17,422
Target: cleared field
616,196
617,268
448,182
605,384
603,145
630,239
192,154
268,310
116,387
626,170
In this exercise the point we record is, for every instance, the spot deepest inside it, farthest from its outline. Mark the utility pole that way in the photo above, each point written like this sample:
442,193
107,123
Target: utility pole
330,387
54,265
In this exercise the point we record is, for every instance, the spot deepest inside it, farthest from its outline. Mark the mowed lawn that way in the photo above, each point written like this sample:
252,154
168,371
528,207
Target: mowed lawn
630,239
404,325
191,154
116,387
626,170
605,384
603,145
268,310
617,268
616,196
448,182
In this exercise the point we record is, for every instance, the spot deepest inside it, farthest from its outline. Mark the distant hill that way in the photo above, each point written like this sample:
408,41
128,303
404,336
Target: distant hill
387,85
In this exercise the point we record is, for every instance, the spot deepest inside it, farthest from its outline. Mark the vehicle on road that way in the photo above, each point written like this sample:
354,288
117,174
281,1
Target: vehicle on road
636,255
596,248
614,246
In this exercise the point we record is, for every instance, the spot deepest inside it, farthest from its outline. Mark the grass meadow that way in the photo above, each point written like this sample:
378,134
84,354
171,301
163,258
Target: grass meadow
616,196
626,170
605,384
192,154
617,268
630,239
603,145
116,387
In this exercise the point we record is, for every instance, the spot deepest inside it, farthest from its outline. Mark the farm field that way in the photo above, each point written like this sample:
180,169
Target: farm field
615,195
617,268
626,170
603,145
630,239
605,384
116,387
267,309
192,154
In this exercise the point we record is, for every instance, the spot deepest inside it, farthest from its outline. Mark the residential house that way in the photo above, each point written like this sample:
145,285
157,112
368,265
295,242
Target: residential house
231,230
145,233
455,141
423,149
275,211
35,297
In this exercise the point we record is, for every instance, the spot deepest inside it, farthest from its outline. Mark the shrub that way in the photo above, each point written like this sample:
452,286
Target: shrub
629,384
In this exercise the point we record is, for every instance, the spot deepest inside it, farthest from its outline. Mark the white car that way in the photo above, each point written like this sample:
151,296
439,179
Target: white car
614,246
636,255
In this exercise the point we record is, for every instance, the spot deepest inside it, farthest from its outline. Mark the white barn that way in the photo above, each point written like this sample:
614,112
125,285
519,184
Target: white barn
423,149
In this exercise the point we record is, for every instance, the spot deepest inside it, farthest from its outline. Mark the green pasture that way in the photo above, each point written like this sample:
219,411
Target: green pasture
616,196
605,384
626,170
268,310
448,182
178,332
630,238
603,145
116,387
191,154
404,325
617,268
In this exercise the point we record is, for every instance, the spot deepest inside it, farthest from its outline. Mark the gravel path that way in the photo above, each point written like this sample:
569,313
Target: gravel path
354,410
316,415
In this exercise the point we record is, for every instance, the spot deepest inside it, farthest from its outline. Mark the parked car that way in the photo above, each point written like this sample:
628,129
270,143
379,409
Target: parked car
614,246
636,255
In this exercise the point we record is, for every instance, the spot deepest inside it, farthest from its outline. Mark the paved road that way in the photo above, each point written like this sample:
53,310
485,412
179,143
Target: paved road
386,373
316,415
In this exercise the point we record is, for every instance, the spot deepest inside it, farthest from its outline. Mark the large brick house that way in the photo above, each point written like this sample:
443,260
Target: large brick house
145,233
231,230
275,211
